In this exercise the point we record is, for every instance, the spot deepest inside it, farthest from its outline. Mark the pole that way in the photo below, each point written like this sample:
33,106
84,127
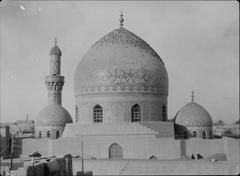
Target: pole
33,161
12,142
82,159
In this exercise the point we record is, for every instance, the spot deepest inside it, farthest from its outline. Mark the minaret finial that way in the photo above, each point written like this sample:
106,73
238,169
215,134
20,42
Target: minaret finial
55,40
121,20
192,96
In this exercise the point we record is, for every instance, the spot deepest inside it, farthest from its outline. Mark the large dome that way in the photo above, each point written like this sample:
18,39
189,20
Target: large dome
53,115
193,115
123,62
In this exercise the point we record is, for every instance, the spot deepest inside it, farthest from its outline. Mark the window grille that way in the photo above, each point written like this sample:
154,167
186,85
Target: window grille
136,113
48,133
204,136
194,134
97,113
164,113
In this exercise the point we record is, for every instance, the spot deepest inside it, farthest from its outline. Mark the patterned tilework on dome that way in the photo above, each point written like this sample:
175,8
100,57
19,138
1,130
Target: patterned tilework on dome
193,114
121,62
123,36
126,80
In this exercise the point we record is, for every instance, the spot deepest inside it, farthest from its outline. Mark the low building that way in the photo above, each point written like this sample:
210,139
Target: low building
5,136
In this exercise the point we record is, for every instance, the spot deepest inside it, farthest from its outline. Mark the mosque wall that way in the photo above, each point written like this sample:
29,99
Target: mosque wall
133,147
232,149
140,147
31,145
155,167
117,107
204,147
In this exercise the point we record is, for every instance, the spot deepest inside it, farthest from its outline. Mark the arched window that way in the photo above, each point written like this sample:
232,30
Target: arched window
211,136
164,113
115,151
97,113
40,134
57,134
48,134
204,136
136,113
194,134
185,134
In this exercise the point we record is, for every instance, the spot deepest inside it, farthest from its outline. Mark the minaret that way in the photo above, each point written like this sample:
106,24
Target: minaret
55,81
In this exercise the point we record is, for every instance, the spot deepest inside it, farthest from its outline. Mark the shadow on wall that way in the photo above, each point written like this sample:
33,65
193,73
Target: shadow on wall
17,149
181,132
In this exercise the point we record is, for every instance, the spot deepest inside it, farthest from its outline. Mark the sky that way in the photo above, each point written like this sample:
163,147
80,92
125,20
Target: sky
197,40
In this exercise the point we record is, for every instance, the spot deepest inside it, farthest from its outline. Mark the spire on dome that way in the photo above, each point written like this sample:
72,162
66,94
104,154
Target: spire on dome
192,96
121,20
55,40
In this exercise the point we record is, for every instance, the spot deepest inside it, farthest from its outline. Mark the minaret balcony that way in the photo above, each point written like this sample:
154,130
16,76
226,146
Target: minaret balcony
55,78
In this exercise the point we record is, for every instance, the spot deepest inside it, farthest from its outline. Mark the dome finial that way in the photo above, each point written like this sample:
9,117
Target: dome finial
192,96
55,40
121,20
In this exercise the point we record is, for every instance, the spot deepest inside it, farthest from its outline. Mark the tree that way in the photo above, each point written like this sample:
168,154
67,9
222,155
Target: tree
219,123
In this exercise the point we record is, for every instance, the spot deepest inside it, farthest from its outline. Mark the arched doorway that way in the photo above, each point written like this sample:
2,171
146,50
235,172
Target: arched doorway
136,113
115,151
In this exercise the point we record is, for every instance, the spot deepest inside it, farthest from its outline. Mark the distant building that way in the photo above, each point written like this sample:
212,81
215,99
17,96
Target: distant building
5,137
22,128
230,130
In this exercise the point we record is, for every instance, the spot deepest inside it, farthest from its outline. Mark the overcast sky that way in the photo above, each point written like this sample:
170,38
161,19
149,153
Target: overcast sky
197,40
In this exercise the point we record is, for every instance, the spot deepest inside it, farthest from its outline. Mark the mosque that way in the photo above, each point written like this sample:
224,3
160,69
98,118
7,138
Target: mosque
121,93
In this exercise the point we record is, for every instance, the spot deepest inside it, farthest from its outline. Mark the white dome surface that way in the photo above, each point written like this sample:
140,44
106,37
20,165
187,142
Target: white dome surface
53,115
193,115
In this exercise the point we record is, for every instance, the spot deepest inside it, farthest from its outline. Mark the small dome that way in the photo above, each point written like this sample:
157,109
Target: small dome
193,115
53,115
55,51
